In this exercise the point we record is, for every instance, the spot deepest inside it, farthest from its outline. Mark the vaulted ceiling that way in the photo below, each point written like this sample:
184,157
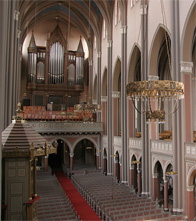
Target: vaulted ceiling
84,15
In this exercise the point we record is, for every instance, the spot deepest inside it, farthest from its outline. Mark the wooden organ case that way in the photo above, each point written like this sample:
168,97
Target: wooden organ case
54,74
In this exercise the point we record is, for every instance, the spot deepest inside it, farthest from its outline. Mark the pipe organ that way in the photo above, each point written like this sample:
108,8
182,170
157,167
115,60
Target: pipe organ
53,70
56,64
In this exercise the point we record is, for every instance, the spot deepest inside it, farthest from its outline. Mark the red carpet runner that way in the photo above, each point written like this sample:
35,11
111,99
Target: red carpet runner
81,206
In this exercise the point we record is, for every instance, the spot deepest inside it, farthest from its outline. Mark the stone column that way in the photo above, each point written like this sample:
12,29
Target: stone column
97,160
177,116
71,161
155,186
124,116
115,168
46,163
90,80
139,181
186,69
109,108
35,177
191,202
144,72
115,97
103,103
132,176
166,195
99,102
104,165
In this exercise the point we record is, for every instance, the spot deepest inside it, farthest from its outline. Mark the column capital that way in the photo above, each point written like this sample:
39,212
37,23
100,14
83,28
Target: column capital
123,29
116,94
110,43
20,47
132,167
71,154
18,34
16,15
90,62
165,179
154,175
186,66
99,54
103,98
94,101
190,188
143,9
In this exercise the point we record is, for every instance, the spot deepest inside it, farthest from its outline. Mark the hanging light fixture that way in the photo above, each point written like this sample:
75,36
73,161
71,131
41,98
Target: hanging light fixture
156,90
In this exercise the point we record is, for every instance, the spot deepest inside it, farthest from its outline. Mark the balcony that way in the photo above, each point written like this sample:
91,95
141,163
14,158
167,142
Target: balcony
68,128
135,143
190,151
162,147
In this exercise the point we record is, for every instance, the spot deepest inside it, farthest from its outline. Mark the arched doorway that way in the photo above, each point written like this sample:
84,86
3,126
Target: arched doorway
56,161
84,155
158,187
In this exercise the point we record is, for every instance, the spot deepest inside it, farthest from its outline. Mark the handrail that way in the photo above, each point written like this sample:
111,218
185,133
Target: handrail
33,200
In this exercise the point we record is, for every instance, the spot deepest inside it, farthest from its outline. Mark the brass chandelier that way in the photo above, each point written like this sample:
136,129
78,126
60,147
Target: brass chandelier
155,90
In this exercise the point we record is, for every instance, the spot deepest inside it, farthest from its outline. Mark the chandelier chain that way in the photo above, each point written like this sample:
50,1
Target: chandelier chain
166,36
69,20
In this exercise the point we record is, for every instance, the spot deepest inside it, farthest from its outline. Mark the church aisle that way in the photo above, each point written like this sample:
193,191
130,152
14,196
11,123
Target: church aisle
53,203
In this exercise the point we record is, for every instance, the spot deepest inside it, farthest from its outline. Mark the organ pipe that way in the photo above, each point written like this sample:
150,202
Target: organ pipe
56,64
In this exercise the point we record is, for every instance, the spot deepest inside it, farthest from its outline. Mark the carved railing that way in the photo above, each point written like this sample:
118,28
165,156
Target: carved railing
32,209
162,146
135,143
190,151
66,127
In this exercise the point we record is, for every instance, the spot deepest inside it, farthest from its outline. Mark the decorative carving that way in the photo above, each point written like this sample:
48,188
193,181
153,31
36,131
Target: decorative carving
116,94
186,66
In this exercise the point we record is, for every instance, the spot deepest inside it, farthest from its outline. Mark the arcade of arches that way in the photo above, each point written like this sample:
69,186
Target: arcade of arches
55,54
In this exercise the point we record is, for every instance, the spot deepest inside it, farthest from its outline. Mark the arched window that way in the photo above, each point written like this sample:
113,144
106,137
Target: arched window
164,73
119,106
56,67
194,83
137,77
116,13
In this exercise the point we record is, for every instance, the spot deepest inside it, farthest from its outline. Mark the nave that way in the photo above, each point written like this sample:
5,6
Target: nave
110,200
